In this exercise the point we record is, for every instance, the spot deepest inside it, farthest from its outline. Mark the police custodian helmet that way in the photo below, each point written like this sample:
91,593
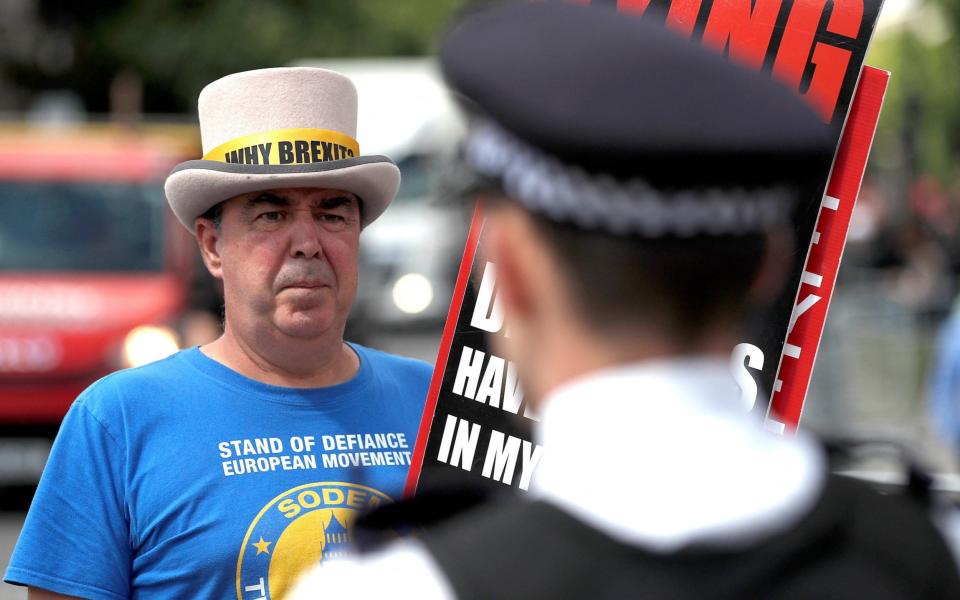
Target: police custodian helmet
613,123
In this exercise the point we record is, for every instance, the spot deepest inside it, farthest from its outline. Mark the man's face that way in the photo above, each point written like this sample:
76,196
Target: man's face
288,260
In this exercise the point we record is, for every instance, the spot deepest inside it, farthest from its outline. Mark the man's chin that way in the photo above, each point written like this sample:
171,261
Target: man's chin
307,324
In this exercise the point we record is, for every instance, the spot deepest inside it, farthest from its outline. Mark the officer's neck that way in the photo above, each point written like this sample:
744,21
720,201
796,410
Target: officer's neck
555,364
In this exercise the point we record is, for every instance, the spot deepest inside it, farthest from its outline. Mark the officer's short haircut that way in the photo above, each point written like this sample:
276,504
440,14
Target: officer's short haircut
681,286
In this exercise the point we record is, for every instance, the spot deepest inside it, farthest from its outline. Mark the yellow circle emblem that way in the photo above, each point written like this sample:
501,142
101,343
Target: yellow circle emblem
301,527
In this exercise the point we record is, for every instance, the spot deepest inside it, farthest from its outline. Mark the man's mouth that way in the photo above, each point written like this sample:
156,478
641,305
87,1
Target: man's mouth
305,285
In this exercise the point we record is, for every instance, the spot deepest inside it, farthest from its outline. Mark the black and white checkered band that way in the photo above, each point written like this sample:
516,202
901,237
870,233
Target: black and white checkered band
568,193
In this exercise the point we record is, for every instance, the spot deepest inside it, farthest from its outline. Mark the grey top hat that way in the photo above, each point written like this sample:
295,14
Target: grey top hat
276,128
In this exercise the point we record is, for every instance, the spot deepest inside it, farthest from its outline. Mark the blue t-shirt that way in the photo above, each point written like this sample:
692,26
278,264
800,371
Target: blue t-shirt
185,479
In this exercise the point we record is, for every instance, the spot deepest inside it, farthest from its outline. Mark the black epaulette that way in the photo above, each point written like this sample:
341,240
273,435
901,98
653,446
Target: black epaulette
916,484
428,508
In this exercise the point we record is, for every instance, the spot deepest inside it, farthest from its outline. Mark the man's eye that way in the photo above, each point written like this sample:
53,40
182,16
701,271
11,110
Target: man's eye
273,216
332,218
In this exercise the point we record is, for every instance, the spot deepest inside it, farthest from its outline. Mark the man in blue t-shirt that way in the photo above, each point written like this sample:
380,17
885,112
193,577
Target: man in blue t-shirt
225,470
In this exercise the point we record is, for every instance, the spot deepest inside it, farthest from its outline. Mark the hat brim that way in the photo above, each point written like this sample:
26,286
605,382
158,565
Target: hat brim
194,186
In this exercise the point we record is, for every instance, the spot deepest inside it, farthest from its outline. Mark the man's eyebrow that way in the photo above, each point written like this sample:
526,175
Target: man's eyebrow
267,198
335,201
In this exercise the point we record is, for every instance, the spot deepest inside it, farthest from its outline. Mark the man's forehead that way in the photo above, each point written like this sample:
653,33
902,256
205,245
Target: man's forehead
291,196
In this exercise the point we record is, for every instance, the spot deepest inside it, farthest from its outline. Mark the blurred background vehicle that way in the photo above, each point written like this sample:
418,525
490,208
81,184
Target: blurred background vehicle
94,270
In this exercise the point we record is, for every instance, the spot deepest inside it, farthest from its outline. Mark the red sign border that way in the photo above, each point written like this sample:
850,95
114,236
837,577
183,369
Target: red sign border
826,251
786,404
443,353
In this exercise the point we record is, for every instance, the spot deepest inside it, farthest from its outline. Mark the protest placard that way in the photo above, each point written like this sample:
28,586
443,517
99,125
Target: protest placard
476,424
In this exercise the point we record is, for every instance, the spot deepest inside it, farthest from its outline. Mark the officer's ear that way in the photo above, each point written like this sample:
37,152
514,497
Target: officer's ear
772,274
509,244
208,238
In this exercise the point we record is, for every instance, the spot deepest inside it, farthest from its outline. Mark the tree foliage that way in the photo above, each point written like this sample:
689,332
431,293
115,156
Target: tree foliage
919,130
177,46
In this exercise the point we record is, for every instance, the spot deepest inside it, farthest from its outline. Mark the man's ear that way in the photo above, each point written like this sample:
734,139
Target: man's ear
208,238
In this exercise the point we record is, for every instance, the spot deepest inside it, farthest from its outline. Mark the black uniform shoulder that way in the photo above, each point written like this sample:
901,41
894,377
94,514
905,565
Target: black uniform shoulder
426,511
895,533
855,543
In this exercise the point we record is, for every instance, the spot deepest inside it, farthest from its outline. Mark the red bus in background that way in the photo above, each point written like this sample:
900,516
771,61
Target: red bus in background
94,269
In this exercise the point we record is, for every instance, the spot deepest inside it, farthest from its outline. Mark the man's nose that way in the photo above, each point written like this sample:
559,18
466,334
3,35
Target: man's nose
305,235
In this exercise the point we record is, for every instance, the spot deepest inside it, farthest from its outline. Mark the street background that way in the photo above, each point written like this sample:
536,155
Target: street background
112,86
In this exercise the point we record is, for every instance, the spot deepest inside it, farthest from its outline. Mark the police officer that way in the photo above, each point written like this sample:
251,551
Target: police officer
641,187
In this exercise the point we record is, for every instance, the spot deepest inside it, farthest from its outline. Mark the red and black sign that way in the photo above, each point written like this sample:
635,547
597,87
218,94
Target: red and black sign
476,423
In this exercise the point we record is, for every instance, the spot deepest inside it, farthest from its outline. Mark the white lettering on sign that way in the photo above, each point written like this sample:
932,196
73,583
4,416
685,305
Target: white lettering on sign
494,382
501,460
792,350
774,426
488,311
746,356
457,448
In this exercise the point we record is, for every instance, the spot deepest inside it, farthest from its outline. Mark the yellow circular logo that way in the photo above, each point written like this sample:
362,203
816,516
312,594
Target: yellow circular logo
301,527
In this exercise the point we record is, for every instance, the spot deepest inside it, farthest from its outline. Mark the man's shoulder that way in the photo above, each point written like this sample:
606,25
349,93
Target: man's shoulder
400,366
126,385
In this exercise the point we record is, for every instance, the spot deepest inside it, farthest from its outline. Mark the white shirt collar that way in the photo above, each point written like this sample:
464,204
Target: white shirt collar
661,454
